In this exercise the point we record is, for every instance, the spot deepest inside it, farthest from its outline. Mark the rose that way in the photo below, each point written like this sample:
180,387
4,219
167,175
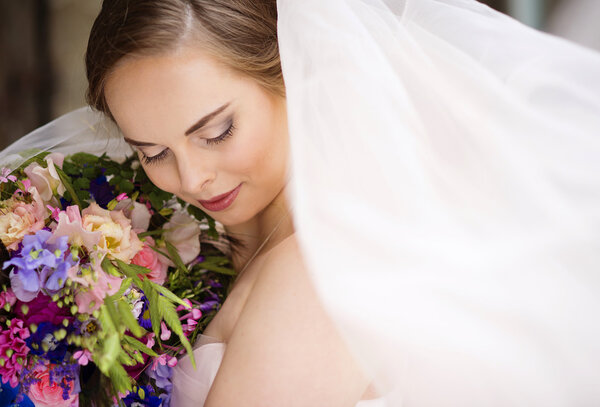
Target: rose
43,393
117,238
20,219
148,258
46,180
183,232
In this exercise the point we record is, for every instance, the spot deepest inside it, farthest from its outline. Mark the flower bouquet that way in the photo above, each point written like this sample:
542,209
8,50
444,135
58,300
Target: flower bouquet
103,282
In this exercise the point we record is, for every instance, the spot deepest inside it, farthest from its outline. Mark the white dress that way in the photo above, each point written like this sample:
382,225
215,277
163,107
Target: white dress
191,386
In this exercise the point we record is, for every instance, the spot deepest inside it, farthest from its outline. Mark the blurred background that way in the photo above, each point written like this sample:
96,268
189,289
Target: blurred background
42,46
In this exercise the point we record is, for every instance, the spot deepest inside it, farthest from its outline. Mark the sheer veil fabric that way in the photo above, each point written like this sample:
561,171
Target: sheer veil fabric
446,194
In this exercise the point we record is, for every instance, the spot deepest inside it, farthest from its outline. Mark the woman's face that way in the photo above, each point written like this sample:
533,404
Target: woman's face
203,131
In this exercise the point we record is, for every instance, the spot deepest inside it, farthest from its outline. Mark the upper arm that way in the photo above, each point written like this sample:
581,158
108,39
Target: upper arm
284,350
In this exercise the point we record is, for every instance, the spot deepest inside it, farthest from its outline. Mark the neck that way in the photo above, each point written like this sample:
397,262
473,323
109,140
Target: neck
273,223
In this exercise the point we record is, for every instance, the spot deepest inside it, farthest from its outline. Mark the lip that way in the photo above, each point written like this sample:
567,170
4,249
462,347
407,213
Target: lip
221,202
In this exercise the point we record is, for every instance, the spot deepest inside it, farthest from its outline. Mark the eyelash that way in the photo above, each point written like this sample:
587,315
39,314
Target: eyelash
214,141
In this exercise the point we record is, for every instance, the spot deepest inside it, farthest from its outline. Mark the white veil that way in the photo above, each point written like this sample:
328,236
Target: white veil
82,130
446,194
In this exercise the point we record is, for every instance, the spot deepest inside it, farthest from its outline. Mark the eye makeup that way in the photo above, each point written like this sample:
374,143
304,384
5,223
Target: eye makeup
148,160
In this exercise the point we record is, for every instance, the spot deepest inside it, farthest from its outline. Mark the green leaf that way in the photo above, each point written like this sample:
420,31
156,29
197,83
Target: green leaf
126,359
152,297
165,292
159,251
84,158
120,379
169,315
137,345
218,269
129,320
66,181
89,172
126,186
110,268
125,284
113,314
151,233
132,271
81,183
174,255
106,357
70,168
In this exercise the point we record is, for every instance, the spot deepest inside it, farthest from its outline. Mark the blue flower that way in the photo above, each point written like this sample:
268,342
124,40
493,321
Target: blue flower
149,399
101,191
44,343
144,317
9,396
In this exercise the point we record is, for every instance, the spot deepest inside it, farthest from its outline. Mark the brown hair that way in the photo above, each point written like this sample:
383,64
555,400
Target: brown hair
239,34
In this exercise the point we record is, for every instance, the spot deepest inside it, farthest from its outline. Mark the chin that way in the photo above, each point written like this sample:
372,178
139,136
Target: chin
231,219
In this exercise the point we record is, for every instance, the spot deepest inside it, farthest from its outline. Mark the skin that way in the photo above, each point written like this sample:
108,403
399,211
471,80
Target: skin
297,357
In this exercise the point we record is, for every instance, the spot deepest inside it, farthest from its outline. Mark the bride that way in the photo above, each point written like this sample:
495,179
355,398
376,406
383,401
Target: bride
412,186
196,88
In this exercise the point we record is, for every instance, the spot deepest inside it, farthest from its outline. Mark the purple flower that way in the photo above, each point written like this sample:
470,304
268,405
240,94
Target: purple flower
42,309
40,266
161,375
209,305
162,378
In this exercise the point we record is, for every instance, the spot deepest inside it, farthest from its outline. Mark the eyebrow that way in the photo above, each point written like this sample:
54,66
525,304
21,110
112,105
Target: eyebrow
205,120
195,127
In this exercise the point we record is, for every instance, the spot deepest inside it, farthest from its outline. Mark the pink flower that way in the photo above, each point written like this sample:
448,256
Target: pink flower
82,357
54,212
95,284
6,177
13,351
150,259
44,393
7,297
70,224
117,239
164,359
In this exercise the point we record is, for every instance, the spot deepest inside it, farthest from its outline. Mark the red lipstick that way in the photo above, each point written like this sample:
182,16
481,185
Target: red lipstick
221,202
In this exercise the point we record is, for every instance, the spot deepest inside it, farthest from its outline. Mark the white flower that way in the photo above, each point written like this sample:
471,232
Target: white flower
183,232
46,180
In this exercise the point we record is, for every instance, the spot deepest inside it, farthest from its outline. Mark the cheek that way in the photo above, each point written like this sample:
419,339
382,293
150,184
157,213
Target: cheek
261,157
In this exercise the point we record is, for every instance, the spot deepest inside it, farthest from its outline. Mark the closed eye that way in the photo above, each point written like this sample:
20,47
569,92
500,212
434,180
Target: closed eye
148,160
228,133
155,158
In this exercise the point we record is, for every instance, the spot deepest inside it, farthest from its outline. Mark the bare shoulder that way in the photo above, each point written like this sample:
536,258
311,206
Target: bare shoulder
284,350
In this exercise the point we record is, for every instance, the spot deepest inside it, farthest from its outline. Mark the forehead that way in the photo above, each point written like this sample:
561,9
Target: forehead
161,94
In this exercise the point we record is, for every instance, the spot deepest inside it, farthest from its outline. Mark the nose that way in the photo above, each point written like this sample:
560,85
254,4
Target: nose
195,173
